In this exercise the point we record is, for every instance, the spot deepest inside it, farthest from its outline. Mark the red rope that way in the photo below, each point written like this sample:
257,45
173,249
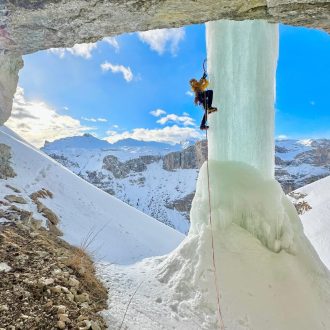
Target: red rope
222,326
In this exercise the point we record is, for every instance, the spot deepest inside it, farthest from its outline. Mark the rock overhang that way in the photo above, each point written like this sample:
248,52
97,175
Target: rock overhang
27,26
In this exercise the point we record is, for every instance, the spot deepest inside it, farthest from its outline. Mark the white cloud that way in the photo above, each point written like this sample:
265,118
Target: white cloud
60,52
66,108
162,40
111,132
157,112
36,121
126,71
95,120
169,134
112,41
185,120
190,93
82,50
282,137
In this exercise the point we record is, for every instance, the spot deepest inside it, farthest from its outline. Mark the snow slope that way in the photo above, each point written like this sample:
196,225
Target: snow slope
316,221
123,234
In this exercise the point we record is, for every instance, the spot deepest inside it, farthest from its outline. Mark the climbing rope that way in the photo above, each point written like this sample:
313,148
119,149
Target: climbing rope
221,323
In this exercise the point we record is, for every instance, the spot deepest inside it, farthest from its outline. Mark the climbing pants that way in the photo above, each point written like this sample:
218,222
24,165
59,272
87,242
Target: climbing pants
205,99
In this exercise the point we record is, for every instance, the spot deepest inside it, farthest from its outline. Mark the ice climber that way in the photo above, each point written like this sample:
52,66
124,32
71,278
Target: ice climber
203,97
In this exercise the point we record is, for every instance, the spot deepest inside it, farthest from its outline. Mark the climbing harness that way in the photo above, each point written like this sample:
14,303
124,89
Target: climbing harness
221,323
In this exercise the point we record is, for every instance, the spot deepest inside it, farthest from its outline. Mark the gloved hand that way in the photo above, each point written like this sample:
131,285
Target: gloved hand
204,75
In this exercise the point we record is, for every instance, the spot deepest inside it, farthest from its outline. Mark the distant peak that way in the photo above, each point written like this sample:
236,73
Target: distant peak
88,135
306,142
87,141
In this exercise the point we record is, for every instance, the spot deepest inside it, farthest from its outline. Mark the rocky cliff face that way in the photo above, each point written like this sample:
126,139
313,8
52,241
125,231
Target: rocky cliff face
298,164
121,170
9,67
192,157
6,171
27,26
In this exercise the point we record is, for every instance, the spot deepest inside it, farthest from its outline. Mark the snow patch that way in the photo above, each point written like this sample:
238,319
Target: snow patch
316,221
4,267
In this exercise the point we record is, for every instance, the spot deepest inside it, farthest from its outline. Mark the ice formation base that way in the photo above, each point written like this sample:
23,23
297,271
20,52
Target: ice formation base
269,277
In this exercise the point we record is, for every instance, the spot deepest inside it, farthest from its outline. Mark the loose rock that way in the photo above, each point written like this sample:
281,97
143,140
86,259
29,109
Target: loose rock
15,199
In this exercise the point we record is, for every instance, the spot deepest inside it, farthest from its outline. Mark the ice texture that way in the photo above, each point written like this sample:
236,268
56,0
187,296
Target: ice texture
239,194
242,61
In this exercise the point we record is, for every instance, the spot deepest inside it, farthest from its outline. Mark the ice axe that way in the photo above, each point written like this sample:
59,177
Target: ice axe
204,66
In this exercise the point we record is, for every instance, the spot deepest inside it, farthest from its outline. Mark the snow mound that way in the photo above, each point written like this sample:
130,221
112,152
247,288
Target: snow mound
115,231
259,288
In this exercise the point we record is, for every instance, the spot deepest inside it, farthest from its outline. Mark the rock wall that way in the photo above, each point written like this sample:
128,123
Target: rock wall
9,67
191,157
6,171
122,169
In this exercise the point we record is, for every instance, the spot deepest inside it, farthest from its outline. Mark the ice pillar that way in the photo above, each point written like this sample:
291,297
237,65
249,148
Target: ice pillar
242,59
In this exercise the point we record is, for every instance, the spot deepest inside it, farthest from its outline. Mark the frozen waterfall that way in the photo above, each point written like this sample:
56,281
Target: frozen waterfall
242,59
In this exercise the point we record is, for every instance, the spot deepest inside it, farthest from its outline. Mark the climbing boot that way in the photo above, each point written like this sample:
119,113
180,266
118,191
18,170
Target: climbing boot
204,128
211,110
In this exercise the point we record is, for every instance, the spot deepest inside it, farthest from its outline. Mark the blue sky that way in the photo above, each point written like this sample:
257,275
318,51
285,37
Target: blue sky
303,85
117,87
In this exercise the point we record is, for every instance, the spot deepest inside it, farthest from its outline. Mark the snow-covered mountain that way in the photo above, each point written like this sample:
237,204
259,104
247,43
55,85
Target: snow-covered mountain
135,172
159,179
300,162
114,231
